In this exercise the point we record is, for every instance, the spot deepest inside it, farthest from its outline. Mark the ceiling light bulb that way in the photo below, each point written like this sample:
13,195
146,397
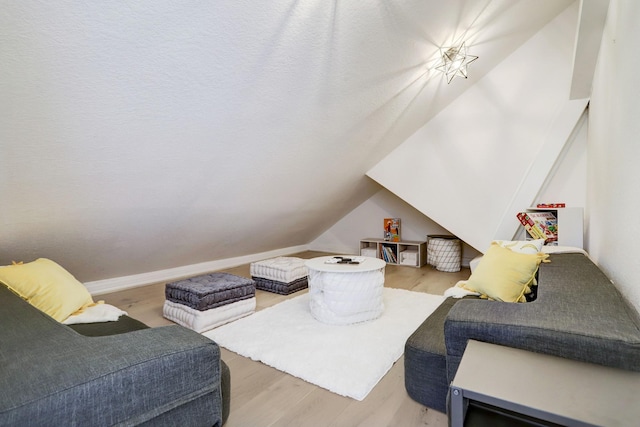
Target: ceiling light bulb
455,61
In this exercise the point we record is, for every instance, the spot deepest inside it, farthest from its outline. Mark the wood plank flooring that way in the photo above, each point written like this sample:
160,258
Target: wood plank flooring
262,396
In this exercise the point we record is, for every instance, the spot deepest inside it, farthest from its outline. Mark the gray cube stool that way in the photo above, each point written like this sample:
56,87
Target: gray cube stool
208,301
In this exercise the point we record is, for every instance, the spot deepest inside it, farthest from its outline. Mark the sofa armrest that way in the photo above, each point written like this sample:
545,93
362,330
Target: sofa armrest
51,375
489,321
578,314
129,378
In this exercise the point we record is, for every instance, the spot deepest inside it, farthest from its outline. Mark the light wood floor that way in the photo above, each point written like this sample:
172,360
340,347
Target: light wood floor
262,396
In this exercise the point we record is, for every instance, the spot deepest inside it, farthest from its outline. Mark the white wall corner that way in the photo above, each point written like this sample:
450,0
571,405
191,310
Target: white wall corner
541,166
591,20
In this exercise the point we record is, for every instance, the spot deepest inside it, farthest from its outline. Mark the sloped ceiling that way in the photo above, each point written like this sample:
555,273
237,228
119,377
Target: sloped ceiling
139,136
514,125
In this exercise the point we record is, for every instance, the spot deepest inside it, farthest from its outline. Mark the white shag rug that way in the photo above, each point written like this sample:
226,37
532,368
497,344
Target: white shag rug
347,360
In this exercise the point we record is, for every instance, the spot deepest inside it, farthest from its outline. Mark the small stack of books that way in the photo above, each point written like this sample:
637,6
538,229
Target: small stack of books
388,255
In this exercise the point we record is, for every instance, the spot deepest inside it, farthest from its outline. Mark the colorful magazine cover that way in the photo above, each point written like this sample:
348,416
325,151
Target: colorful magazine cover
548,223
540,225
392,229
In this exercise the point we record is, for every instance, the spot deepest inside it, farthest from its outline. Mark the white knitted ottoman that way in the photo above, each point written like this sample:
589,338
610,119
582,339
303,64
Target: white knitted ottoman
206,302
281,275
343,294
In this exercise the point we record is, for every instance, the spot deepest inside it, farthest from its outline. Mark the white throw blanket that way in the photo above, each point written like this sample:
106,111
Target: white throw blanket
458,291
99,312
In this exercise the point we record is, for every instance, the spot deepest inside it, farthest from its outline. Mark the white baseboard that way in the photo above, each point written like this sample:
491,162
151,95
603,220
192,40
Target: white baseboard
99,287
335,249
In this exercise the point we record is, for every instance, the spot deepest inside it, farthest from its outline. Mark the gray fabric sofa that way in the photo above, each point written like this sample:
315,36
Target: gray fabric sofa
578,314
112,373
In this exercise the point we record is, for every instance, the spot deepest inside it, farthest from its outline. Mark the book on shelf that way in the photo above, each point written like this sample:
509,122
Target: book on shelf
392,229
528,225
388,255
540,225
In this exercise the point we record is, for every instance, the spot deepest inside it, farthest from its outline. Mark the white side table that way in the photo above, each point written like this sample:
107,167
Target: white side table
342,294
544,387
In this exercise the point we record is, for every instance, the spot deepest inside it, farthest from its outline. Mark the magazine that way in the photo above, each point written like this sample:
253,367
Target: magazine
392,229
540,225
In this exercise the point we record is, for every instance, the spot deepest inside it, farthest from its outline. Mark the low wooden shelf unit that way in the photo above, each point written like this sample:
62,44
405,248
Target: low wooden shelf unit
409,253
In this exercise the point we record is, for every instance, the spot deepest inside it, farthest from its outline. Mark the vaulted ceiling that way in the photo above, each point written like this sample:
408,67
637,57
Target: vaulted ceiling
140,136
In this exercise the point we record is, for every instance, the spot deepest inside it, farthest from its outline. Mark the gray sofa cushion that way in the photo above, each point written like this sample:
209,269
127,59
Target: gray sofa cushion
578,314
127,324
51,375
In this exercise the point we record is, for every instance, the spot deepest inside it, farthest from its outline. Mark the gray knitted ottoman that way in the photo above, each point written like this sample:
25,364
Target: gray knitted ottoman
281,275
208,301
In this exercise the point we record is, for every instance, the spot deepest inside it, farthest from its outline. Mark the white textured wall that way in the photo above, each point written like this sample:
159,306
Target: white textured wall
138,136
568,180
614,151
464,166
366,221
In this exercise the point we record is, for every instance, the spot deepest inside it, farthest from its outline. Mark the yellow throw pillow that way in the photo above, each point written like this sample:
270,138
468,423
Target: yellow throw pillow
504,275
522,246
47,286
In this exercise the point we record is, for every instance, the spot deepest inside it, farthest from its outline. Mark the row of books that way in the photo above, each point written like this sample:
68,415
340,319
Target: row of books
540,225
388,255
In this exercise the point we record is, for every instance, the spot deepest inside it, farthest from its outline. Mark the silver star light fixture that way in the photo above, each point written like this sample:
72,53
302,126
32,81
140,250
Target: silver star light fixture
455,61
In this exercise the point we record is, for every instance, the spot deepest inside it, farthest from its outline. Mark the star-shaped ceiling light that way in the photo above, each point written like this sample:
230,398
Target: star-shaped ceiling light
455,61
